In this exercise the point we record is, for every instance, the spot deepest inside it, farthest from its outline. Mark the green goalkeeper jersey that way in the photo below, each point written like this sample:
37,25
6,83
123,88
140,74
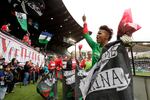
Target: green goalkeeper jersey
96,48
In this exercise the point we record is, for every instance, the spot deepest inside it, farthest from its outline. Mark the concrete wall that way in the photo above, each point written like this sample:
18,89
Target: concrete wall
141,88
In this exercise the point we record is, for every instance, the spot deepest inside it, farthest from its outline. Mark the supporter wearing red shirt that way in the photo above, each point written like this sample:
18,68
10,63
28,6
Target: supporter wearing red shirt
59,65
82,63
58,62
72,62
26,39
87,62
5,28
51,65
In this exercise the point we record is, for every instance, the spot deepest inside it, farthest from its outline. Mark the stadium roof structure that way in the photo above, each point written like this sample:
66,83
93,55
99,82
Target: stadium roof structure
55,19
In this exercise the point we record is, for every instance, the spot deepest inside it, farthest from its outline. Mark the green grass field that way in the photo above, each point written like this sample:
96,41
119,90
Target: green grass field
142,73
29,93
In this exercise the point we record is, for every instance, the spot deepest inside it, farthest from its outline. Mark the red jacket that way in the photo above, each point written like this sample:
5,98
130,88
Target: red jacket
82,63
26,38
51,65
59,64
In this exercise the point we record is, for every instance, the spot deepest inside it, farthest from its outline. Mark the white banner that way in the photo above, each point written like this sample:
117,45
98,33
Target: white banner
70,80
69,76
69,73
111,78
12,48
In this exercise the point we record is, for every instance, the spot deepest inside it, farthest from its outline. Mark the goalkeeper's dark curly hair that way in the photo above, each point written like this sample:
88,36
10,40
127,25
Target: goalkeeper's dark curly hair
109,30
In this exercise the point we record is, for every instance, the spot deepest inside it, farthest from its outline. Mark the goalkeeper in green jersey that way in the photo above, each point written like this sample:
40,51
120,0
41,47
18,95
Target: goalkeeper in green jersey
103,36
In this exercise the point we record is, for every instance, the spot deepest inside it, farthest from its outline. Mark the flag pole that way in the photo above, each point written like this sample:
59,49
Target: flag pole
132,59
45,47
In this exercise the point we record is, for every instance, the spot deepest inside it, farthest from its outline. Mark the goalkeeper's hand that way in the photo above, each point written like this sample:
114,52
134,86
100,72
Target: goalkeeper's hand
126,39
85,28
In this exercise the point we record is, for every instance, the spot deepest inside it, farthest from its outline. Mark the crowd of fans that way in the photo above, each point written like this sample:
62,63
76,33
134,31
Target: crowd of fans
13,72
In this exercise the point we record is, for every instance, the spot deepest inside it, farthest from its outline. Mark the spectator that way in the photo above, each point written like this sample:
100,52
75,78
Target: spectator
12,74
72,62
87,63
9,79
26,73
36,72
52,65
26,39
33,73
3,86
13,67
5,28
59,66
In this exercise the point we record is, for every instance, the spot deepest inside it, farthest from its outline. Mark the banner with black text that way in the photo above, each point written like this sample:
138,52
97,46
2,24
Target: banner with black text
110,78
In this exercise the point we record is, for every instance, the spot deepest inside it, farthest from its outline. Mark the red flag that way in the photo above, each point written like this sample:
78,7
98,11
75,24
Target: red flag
126,25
